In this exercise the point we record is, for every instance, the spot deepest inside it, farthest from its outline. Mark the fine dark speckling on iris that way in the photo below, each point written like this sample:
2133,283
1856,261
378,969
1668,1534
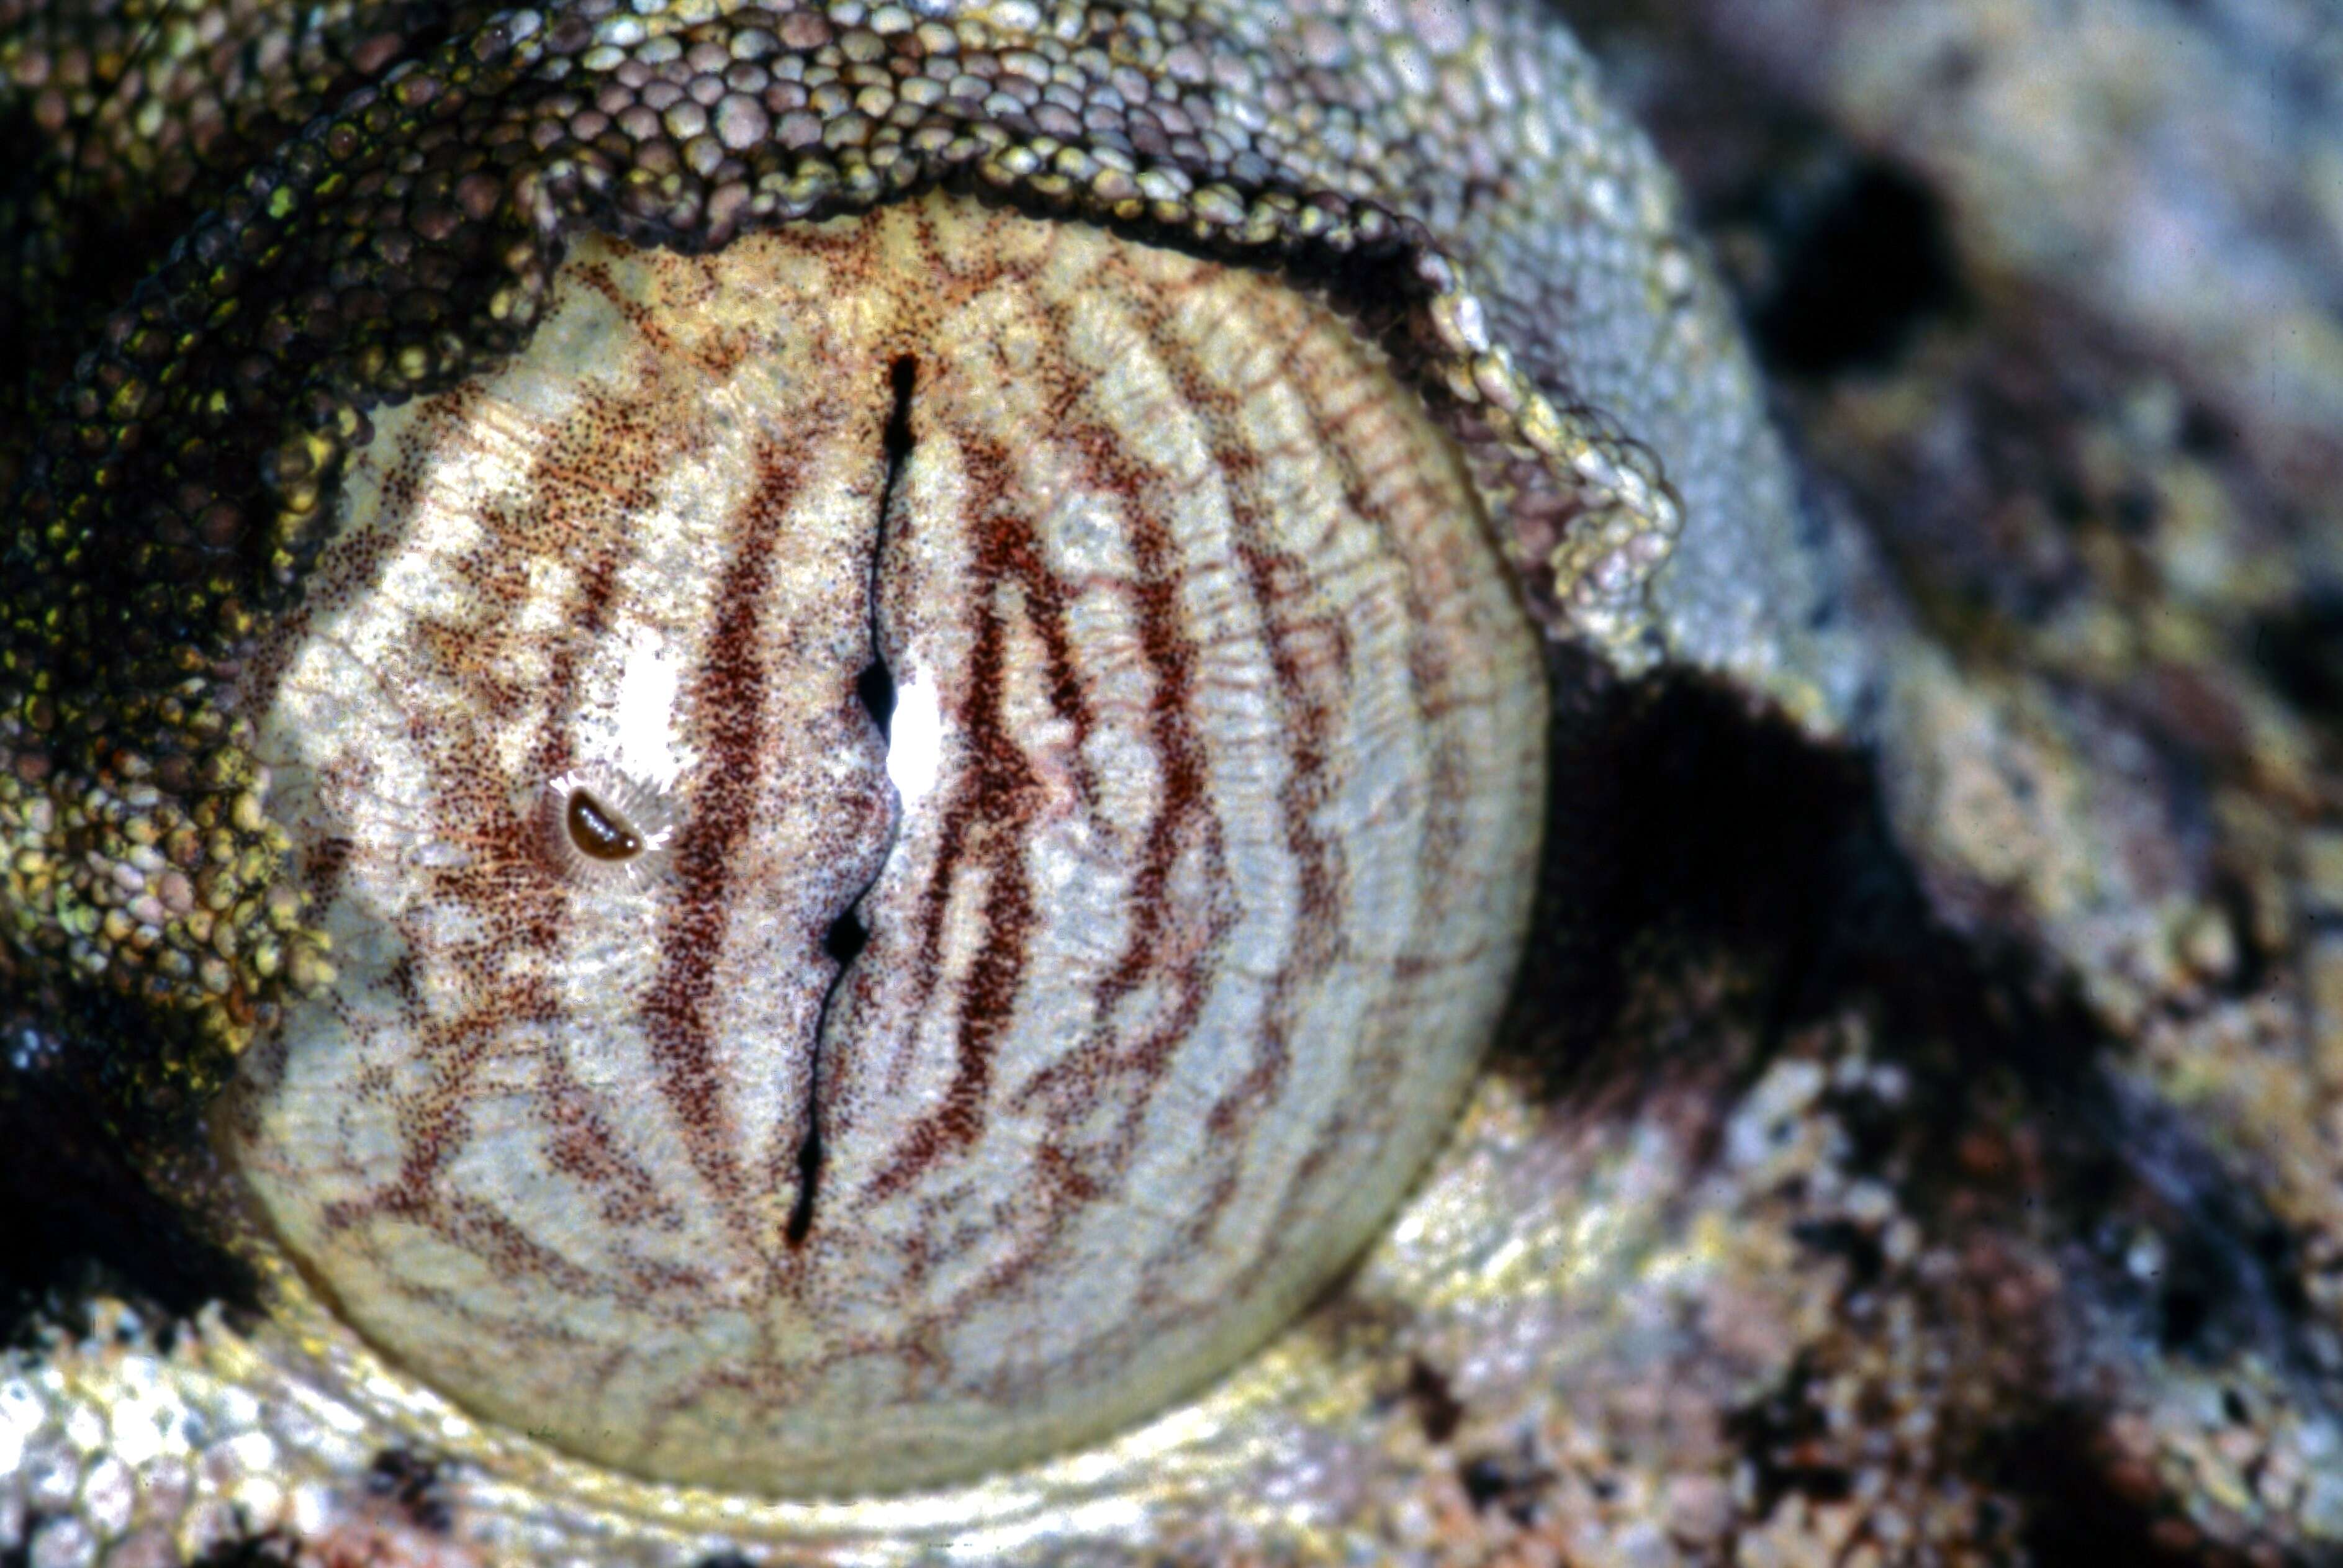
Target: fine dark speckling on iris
812,740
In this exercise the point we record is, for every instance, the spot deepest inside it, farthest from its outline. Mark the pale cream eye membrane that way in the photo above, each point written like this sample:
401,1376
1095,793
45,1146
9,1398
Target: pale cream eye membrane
1053,764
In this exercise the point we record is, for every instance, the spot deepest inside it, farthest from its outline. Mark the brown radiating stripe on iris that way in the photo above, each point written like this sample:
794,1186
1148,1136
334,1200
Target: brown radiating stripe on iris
979,821
1182,814
1315,939
724,692
1271,575
1109,469
1430,670
584,1146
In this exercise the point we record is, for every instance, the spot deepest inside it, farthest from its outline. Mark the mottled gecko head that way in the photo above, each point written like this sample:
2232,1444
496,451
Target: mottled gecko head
829,835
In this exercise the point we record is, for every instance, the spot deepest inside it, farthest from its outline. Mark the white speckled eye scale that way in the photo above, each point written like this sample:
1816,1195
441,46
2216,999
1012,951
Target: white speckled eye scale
1183,902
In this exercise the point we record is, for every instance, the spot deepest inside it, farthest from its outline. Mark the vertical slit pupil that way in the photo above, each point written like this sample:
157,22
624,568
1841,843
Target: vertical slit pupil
601,832
875,687
848,937
899,376
801,1223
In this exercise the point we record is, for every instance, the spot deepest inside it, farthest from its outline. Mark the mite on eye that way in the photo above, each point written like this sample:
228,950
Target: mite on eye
597,823
601,832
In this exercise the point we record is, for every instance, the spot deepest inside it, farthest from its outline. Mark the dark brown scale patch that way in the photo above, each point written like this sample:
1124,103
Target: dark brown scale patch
411,1482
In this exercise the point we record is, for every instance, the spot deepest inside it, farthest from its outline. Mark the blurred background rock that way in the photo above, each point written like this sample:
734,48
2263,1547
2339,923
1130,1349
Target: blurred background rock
2051,293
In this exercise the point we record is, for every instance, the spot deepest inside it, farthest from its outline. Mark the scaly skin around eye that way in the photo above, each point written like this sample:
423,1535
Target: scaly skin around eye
1645,1310
415,240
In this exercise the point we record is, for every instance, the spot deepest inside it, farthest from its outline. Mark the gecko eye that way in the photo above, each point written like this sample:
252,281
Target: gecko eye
922,822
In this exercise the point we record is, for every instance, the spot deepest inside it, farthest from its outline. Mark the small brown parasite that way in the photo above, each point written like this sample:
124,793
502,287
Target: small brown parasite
597,821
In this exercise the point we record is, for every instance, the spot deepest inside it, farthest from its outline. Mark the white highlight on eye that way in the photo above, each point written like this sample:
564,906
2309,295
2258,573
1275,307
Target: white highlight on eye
915,742
651,683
